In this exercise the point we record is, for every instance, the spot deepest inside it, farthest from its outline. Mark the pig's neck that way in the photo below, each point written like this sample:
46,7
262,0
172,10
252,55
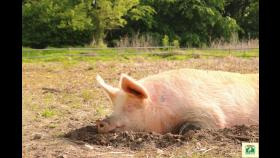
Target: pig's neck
160,119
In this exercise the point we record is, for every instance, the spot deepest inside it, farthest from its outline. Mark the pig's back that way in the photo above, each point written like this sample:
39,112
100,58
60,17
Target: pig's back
232,94
180,77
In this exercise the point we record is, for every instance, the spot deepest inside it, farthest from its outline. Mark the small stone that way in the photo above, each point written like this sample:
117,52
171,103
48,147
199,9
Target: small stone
139,140
88,146
62,156
159,151
125,133
114,137
131,137
90,68
37,136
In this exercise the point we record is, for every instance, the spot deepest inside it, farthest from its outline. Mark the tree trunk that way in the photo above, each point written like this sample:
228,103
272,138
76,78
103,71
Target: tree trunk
98,37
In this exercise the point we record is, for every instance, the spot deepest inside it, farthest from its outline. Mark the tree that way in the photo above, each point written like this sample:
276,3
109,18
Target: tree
108,15
193,22
55,23
246,13
140,20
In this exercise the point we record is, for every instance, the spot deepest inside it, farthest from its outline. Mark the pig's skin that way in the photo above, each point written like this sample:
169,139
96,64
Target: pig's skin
207,99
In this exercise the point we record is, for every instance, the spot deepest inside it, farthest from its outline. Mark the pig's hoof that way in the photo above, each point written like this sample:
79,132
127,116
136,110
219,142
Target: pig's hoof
186,127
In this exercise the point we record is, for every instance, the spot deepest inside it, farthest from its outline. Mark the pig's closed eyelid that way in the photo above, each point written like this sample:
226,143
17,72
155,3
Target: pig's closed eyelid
120,126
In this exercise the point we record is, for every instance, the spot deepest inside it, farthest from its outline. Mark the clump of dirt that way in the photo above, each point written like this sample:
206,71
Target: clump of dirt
235,135
137,140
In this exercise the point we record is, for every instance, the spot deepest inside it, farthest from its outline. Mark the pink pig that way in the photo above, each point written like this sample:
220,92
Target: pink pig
204,99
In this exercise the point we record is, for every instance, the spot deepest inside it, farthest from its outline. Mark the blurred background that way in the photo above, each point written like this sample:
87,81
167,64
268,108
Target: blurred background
139,23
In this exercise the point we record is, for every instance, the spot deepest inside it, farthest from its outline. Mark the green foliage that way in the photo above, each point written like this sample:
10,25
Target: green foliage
48,113
176,43
165,40
54,23
63,22
191,39
109,16
193,23
197,21
142,13
246,13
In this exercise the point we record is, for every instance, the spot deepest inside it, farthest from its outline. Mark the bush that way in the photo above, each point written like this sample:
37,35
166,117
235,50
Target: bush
176,43
165,41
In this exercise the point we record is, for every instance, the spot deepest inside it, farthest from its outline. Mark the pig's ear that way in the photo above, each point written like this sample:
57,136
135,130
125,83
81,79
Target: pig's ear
133,87
111,91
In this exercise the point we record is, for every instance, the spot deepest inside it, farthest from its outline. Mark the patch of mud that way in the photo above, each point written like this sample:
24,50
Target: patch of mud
138,140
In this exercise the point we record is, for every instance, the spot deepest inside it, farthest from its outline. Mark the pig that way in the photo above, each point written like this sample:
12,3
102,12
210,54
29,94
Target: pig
200,98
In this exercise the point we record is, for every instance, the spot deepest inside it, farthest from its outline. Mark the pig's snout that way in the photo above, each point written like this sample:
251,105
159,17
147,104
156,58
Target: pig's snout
107,125
103,126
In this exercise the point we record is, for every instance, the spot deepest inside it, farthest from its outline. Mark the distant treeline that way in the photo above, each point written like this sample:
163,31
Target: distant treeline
101,23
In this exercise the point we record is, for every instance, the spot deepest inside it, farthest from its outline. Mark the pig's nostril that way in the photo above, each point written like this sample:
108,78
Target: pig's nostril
101,125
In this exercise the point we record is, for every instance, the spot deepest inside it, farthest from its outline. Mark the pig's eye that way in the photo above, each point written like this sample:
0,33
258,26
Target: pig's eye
128,108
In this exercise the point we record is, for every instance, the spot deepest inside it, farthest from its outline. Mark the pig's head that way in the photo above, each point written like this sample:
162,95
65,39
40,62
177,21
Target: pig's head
129,101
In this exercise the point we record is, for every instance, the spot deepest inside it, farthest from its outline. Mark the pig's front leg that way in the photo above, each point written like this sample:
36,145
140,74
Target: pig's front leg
185,127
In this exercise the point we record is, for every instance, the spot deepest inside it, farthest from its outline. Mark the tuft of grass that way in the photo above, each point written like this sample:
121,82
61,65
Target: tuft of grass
51,126
100,110
87,95
48,113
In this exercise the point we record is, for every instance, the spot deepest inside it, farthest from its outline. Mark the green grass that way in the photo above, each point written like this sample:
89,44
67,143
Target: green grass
48,113
100,110
75,56
87,95
51,126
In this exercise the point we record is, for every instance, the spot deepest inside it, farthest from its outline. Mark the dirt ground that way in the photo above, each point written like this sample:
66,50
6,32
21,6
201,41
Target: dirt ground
61,101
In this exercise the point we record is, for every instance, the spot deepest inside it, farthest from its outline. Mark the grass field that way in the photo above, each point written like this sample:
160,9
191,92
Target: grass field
31,55
60,94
